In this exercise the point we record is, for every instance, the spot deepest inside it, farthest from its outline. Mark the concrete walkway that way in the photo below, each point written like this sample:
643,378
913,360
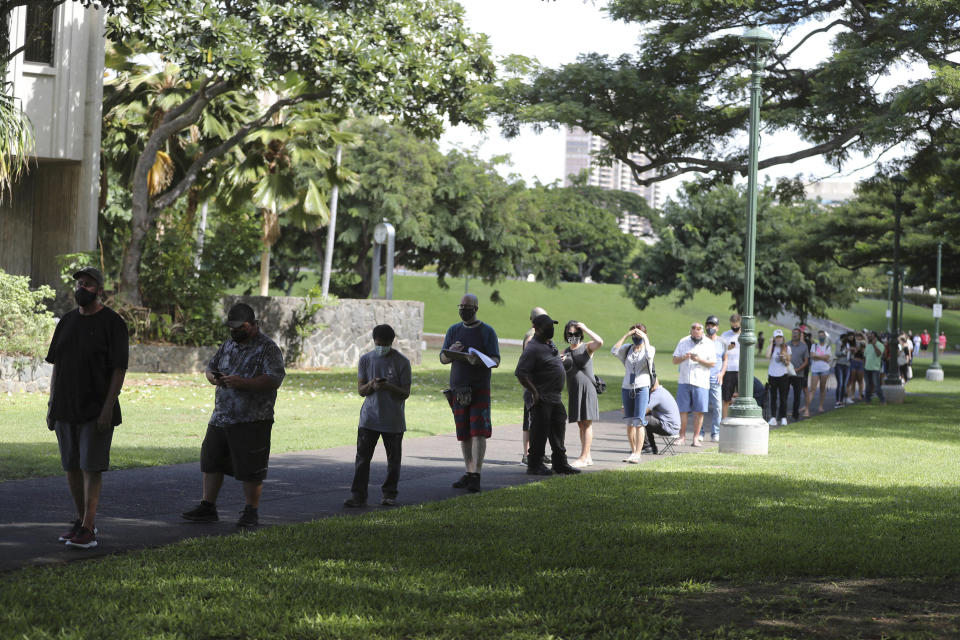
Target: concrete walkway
141,508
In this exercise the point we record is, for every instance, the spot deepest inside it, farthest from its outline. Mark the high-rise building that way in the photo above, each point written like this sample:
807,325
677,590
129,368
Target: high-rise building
581,150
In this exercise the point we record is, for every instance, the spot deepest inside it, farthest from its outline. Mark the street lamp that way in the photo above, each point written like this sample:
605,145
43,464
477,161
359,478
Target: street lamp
892,388
935,372
744,429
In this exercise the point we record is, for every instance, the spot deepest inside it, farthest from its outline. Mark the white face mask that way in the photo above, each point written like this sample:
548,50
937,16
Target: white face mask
381,351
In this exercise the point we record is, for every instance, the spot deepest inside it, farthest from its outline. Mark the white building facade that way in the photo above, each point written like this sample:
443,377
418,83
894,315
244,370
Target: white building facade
58,81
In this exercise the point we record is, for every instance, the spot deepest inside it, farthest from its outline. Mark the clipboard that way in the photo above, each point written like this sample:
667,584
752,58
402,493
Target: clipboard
462,355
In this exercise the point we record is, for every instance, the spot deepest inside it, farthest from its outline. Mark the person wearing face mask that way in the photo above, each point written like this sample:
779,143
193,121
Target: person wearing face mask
821,355
696,356
247,370
89,353
800,358
858,345
527,337
469,392
582,403
383,380
717,373
637,358
542,371
778,378
731,378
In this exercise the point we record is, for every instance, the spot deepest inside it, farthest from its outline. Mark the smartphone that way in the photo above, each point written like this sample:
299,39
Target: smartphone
217,375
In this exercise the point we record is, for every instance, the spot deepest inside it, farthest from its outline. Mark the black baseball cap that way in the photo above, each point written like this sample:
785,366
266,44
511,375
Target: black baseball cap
91,272
543,320
240,313
714,320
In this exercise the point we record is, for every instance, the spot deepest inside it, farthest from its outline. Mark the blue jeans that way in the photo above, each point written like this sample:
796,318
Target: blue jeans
873,384
635,405
715,407
842,373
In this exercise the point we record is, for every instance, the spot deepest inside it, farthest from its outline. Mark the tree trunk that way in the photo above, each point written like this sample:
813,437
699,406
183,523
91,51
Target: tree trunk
265,271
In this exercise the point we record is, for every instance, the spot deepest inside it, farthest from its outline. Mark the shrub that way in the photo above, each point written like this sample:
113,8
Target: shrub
25,323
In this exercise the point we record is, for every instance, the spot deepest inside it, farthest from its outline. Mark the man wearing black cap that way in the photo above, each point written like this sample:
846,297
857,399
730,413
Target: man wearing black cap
247,370
541,371
89,353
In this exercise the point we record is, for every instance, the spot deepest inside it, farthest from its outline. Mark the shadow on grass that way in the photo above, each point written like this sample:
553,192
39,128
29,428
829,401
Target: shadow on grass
571,557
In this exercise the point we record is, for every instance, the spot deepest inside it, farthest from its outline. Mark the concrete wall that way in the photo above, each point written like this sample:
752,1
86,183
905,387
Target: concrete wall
345,329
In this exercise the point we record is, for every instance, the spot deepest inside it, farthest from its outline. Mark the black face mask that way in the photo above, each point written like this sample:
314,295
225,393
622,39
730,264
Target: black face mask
711,331
239,334
735,329
696,340
637,341
84,296
468,314
547,332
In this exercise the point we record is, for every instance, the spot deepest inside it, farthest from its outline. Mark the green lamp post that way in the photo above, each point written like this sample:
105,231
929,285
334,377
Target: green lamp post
935,372
744,430
892,388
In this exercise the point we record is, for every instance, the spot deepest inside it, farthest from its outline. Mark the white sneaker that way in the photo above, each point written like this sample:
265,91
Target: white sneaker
700,438
849,400
773,422
783,422
578,464
715,438
634,458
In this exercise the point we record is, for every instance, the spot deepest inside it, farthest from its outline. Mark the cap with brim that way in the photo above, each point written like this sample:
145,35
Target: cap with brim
778,332
91,272
712,320
239,314
542,321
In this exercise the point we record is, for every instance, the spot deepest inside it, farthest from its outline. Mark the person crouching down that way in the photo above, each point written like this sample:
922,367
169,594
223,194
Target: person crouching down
383,379
247,371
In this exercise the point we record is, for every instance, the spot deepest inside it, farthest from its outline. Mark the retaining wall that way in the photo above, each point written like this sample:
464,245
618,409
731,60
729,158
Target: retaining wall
19,374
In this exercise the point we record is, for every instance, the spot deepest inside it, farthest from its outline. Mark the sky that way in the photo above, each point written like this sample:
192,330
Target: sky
555,33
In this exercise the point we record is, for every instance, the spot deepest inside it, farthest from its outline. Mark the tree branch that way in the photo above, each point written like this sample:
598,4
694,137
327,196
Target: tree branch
170,196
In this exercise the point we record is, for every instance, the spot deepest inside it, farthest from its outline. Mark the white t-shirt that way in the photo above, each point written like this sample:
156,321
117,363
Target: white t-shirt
733,355
818,367
777,366
694,373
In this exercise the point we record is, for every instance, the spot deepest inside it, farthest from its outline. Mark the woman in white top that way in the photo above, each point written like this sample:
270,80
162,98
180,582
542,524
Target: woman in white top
637,359
821,354
778,377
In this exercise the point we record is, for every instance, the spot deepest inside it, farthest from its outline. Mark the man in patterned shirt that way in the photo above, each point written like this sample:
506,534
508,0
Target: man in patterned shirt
247,370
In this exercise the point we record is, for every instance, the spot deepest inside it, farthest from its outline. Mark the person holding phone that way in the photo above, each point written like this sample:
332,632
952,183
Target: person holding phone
383,380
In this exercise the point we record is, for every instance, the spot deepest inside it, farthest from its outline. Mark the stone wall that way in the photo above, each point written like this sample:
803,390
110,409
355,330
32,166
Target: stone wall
149,358
344,328
18,374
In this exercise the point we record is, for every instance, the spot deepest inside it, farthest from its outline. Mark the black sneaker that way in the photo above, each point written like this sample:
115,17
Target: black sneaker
540,470
463,482
565,469
203,512
85,539
248,517
354,503
473,484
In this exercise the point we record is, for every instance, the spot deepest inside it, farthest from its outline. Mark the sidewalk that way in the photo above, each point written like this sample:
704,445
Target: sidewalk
140,508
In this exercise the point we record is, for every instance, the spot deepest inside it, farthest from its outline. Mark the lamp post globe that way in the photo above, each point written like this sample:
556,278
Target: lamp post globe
744,430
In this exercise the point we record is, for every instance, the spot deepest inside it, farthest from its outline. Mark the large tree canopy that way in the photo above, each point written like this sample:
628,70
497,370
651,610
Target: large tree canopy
702,247
412,60
681,99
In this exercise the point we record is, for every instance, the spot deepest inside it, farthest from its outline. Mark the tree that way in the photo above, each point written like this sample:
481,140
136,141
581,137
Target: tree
681,99
410,59
701,247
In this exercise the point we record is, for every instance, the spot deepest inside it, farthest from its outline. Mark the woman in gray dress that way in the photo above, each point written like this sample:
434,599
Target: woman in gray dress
582,406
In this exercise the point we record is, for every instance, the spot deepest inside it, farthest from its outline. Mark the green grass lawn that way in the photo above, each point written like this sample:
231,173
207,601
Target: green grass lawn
846,529
869,313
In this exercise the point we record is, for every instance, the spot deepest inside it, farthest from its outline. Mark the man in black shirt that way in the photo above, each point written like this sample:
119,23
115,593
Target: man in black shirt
89,353
541,370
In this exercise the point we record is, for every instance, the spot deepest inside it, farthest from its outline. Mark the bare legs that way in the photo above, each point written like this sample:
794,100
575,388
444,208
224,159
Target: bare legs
473,451
586,440
212,482
85,488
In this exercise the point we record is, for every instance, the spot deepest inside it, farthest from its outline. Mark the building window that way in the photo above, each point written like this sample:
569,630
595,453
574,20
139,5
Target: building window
38,41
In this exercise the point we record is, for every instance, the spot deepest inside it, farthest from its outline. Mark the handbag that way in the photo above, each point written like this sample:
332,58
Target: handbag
790,370
600,385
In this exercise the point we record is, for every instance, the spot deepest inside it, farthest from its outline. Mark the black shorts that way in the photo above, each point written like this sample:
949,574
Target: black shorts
240,450
731,384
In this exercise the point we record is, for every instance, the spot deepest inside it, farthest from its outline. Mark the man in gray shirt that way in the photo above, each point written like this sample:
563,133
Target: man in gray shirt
663,415
247,370
800,359
383,379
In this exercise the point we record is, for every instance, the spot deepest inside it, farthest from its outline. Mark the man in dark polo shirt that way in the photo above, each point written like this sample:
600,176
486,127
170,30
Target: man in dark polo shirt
247,370
89,353
541,371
